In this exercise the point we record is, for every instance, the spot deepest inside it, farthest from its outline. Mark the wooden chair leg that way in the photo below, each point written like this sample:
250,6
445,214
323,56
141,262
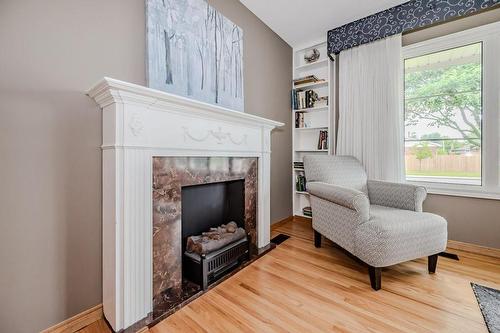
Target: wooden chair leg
375,277
432,263
317,239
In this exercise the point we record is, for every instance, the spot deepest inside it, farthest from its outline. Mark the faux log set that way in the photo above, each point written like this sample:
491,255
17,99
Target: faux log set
215,238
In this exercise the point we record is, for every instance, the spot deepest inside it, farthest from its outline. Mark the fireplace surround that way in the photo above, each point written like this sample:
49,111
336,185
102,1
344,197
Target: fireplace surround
172,177
141,125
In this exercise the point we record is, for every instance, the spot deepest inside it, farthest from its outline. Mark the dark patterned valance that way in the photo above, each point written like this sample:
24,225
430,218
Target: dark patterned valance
405,17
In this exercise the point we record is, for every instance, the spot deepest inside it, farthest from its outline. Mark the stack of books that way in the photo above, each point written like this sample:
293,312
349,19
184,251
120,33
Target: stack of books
323,140
303,99
298,165
307,211
300,183
306,80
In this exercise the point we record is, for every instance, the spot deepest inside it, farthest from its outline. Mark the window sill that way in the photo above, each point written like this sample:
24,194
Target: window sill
456,190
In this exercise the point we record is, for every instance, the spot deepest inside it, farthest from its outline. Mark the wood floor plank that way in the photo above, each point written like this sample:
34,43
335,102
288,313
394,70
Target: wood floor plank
99,326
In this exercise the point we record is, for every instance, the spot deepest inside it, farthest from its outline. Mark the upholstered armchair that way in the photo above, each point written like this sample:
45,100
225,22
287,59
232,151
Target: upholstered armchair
380,223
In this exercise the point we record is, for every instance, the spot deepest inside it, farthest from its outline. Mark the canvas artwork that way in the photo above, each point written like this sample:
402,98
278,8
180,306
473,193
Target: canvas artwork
194,51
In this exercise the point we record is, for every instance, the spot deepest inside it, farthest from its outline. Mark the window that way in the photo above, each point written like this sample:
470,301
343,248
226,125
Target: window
451,112
443,111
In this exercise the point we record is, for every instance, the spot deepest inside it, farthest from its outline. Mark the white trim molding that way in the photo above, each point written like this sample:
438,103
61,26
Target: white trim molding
489,36
139,123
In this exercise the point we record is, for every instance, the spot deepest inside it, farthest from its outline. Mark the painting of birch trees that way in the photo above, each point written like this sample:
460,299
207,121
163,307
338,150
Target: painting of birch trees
194,51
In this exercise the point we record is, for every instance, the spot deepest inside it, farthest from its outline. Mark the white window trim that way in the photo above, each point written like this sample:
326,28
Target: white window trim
490,36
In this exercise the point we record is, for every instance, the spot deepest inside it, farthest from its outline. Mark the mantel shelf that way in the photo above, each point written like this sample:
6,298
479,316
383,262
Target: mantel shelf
109,90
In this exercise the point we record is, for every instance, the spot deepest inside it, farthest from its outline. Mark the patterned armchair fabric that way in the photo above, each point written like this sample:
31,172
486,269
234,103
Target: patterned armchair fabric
402,196
379,222
343,196
393,235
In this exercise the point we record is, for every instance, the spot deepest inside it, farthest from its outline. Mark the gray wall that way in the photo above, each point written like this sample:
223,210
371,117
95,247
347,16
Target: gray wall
470,220
50,132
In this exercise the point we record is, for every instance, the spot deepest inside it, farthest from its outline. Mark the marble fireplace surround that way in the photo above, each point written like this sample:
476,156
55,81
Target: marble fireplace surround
170,174
140,124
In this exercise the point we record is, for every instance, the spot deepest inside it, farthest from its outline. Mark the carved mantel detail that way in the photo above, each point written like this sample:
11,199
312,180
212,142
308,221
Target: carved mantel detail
219,136
136,125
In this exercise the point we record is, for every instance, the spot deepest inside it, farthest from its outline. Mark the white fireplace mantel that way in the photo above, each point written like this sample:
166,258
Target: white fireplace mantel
139,123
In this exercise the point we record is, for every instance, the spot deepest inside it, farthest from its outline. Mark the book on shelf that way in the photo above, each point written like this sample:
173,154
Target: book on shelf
323,140
305,79
298,165
307,211
305,85
299,120
305,99
301,96
309,98
300,183
298,99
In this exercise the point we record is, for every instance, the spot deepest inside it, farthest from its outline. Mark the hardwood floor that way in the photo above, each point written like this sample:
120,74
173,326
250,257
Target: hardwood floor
99,326
298,288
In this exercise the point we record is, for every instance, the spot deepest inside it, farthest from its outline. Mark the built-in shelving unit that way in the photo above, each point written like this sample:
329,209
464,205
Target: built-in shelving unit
319,117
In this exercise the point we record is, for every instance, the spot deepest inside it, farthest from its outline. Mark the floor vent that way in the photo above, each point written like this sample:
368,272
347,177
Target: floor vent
279,239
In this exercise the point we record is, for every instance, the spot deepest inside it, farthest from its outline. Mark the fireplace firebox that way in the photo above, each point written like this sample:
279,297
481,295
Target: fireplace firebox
210,205
206,207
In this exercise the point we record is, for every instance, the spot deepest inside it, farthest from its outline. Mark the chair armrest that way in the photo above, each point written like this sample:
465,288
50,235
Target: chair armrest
343,196
396,195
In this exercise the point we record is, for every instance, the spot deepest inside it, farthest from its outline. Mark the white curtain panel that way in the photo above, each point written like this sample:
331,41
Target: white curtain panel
370,107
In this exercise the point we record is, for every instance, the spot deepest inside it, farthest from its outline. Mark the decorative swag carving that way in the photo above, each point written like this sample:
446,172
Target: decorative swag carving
219,136
405,17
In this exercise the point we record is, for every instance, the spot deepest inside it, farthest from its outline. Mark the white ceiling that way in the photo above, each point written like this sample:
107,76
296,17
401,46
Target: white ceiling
299,22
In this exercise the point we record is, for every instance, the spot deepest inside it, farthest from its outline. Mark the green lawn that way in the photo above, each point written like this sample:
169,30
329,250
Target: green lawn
443,173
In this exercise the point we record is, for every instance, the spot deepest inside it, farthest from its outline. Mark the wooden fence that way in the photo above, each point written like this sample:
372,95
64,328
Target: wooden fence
456,163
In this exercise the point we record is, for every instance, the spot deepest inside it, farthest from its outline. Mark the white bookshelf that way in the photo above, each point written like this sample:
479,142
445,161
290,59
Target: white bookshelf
316,118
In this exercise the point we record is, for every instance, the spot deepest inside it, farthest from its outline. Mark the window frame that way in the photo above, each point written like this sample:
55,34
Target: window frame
489,36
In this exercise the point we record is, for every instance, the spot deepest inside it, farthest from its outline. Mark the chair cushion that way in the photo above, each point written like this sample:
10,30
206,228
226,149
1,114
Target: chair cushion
393,235
344,171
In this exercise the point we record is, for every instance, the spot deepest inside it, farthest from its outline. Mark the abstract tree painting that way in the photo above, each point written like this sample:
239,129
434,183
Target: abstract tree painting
194,51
